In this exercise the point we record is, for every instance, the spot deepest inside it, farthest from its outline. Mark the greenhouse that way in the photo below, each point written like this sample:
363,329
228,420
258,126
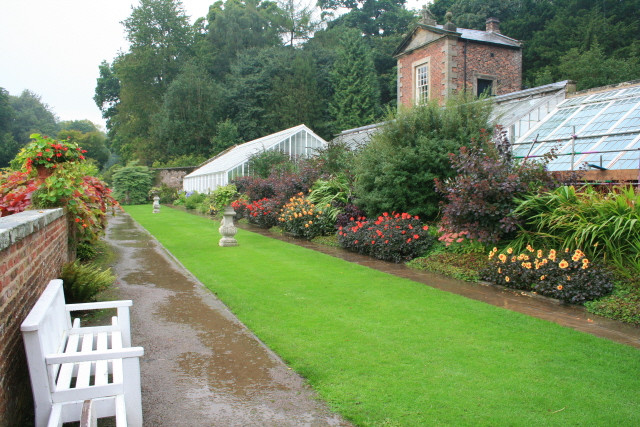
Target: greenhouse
598,129
298,141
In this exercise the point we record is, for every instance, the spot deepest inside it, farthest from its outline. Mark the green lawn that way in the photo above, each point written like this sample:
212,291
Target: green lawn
386,351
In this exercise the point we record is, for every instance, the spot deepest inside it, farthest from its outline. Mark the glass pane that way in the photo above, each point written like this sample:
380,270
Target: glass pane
550,125
579,119
610,116
608,149
632,121
581,145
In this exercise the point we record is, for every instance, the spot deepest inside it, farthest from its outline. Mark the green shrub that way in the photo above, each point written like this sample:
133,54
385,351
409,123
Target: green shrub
86,251
167,194
569,277
82,282
334,192
465,266
397,169
132,184
622,305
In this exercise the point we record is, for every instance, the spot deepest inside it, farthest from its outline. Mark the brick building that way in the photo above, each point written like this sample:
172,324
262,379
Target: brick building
435,61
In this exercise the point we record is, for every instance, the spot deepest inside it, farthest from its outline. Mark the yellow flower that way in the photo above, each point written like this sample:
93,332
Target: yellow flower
310,222
306,225
542,277
495,249
539,253
529,248
510,251
513,259
566,250
563,264
499,270
507,278
552,252
575,257
559,287
520,257
502,257
568,277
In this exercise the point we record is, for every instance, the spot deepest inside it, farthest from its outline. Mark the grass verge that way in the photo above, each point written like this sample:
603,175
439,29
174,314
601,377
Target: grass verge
383,350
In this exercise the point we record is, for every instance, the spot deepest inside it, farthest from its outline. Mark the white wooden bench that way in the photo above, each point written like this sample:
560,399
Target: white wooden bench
70,364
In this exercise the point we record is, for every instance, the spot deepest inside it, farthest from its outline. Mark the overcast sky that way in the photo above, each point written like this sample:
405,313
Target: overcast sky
54,48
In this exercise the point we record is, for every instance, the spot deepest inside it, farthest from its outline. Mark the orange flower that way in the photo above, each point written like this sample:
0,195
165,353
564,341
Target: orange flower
575,257
507,279
502,257
563,264
529,248
510,251
559,287
542,277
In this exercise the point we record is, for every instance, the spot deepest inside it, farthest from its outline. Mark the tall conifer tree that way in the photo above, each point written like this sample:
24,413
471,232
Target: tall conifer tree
356,93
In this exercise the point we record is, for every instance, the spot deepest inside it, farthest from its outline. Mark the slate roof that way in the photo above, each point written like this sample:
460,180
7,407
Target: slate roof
479,36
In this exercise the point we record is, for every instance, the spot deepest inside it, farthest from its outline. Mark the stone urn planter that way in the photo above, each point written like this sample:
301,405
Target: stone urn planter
227,229
156,204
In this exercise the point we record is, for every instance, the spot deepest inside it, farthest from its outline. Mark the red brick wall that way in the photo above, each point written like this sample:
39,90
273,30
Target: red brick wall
505,65
33,247
436,72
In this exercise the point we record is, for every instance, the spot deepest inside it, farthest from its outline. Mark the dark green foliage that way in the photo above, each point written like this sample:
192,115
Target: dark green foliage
395,237
191,109
622,305
479,200
465,267
235,26
181,161
356,94
567,276
31,115
263,163
86,251
559,36
226,136
397,169
167,194
334,158
82,282
132,184
8,145
371,17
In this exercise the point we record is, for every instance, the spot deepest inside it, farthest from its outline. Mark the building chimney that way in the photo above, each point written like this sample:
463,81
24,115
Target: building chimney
493,25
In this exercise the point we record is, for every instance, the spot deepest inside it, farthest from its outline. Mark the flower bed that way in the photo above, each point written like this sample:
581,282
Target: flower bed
568,277
301,218
396,237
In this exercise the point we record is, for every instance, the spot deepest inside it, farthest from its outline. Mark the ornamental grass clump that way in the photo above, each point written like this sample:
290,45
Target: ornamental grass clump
569,277
303,218
396,237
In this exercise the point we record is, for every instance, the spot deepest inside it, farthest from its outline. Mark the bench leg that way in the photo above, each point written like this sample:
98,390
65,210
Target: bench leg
132,391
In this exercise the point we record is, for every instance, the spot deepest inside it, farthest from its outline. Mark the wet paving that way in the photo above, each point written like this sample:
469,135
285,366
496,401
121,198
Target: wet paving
574,317
201,367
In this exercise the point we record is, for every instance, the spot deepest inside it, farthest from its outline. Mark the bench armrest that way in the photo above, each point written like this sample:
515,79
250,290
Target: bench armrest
99,305
90,356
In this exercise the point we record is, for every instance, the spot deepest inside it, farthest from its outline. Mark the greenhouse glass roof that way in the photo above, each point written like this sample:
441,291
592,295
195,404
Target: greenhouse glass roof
296,141
600,128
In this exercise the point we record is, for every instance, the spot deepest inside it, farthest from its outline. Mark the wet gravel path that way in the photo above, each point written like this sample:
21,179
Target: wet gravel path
201,367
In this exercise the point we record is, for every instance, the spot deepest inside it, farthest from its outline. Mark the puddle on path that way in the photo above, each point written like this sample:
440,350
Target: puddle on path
570,316
201,367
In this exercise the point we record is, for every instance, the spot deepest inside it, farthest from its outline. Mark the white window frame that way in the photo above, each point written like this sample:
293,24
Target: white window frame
422,81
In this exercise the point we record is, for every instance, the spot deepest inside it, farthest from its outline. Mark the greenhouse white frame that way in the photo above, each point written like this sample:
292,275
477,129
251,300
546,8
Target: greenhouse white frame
298,141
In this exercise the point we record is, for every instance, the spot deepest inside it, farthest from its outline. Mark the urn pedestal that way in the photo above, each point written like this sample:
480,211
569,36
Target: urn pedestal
43,173
227,229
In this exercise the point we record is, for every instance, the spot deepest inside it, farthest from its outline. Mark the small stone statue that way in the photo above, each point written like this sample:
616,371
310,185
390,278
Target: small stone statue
156,204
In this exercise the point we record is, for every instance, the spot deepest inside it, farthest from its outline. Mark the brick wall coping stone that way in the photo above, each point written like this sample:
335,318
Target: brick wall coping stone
14,228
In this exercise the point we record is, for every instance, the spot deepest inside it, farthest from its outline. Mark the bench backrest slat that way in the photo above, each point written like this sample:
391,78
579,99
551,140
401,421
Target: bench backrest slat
45,332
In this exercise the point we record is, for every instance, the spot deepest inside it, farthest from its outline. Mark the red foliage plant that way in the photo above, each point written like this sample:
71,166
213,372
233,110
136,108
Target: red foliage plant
15,192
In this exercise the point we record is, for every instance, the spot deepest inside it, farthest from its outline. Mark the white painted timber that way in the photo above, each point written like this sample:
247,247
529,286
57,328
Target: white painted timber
70,364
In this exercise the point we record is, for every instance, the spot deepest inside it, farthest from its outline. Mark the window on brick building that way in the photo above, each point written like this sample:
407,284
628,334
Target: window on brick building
422,84
485,87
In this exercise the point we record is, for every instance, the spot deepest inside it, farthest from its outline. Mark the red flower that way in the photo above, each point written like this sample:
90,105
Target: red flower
426,227
355,243
83,151
415,236
39,154
77,219
373,242
386,241
409,240
47,149
59,154
403,231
